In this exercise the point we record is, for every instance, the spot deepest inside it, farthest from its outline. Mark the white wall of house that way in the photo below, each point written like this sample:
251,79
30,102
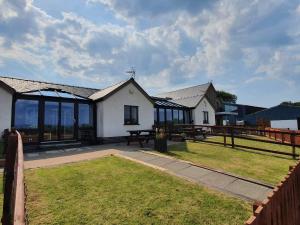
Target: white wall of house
285,124
110,112
5,109
198,116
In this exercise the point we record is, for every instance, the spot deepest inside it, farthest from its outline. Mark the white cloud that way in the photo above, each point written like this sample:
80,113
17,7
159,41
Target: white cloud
169,42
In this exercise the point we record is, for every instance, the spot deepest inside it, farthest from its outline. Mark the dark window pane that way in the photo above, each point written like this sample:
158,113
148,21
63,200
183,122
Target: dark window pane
51,121
180,118
175,116
134,115
127,114
67,120
85,116
169,116
187,117
26,114
205,117
155,115
162,116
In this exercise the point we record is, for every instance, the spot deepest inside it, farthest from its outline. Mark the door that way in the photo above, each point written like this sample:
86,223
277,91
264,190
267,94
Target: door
67,121
298,121
59,121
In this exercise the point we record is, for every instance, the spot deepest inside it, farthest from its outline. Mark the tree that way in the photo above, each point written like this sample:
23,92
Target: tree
226,96
290,103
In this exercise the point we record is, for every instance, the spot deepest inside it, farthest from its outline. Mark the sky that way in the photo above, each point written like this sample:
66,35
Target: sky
249,48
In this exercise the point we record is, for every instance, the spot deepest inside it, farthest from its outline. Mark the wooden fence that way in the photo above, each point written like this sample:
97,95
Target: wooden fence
286,138
252,134
282,207
14,192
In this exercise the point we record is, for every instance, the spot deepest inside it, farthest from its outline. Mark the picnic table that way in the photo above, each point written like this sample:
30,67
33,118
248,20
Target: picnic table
190,133
140,136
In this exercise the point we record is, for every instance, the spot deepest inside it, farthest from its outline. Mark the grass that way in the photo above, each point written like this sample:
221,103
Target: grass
257,165
117,191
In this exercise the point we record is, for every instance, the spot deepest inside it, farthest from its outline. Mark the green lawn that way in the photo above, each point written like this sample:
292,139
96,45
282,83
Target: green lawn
117,191
261,166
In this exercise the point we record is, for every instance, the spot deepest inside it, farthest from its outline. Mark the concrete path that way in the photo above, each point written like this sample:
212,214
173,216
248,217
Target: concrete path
227,183
224,182
63,156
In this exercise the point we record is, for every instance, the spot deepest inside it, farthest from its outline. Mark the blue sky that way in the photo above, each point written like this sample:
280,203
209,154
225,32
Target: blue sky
250,48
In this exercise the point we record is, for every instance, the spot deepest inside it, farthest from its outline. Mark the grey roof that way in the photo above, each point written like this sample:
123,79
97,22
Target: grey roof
104,92
188,97
23,86
279,112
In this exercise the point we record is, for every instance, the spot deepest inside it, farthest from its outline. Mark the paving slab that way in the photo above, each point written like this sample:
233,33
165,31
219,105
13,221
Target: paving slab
217,180
176,166
161,161
245,188
147,157
139,155
194,172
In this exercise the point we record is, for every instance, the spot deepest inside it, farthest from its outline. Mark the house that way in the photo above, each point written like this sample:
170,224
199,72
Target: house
280,116
56,113
47,112
196,105
232,113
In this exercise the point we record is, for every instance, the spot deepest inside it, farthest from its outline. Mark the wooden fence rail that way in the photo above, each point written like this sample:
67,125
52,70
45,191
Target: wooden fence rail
14,192
234,132
284,138
282,207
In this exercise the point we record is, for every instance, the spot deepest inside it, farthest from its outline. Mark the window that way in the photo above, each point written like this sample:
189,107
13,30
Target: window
169,116
187,117
26,114
85,116
205,117
155,115
162,118
180,121
67,120
175,116
51,121
53,93
131,115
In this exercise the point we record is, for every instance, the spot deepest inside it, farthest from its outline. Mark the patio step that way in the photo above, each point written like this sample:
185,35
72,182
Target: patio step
53,145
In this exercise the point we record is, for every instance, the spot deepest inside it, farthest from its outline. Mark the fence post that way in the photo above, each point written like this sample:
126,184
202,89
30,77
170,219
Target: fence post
225,136
9,175
255,205
194,133
232,136
293,144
